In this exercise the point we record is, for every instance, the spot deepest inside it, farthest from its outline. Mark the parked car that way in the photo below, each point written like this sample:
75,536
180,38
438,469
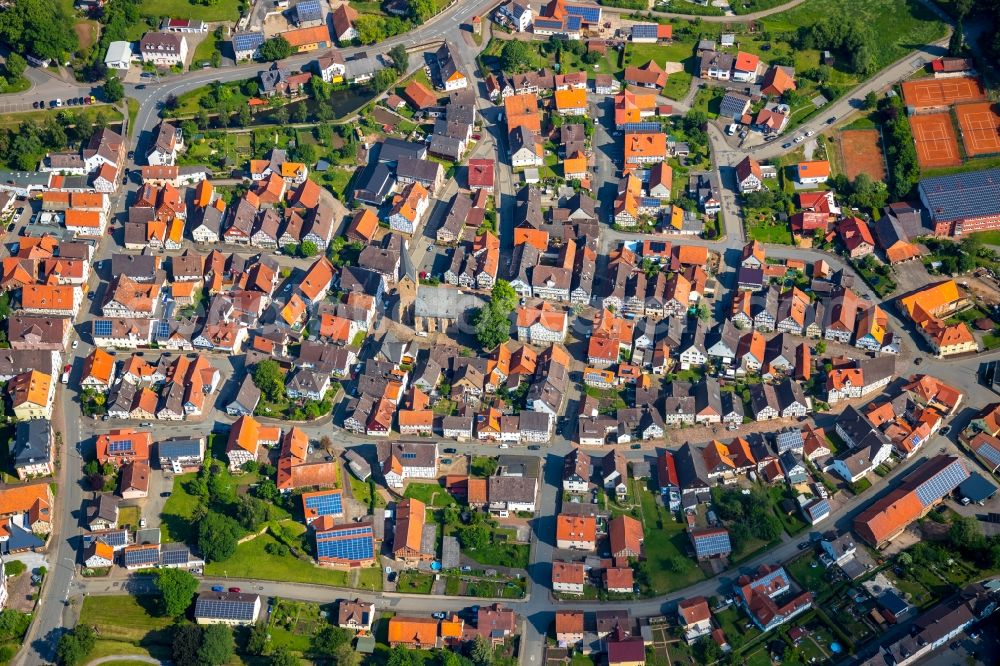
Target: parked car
810,133
235,590
450,449
216,588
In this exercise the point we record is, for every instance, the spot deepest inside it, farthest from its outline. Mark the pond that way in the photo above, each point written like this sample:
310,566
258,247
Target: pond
343,102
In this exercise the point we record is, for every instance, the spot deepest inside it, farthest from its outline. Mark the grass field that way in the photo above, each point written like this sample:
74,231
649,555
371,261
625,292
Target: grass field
205,49
124,618
251,560
900,24
9,120
431,494
175,520
223,10
413,582
666,539
767,231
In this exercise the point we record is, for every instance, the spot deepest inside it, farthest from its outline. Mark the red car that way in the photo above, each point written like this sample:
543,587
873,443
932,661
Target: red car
234,589
67,368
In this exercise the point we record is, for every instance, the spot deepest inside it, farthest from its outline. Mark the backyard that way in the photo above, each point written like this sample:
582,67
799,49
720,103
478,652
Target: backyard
127,620
667,566
221,10
431,494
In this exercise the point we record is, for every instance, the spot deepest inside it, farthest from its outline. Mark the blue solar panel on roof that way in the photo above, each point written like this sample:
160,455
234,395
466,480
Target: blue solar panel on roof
962,195
309,10
175,556
162,329
644,31
142,556
641,128
574,23
102,328
244,41
326,505
230,609
587,13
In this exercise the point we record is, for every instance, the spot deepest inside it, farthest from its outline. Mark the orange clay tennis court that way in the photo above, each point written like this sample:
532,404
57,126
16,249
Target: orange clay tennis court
980,125
935,139
927,93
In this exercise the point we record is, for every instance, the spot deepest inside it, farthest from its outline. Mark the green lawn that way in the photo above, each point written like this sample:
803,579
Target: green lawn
123,617
810,577
175,520
292,624
251,560
899,24
431,494
221,10
133,111
734,622
666,539
414,582
336,179
129,515
766,231
9,120
501,553
203,53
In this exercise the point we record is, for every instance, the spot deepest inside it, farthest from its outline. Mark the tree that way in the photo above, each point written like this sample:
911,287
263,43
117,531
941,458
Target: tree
266,490
707,651
869,193
300,113
202,119
475,537
326,641
399,656
269,379
217,536
216,645
113,89
421,10
345,655
516,56
481,652
244,117
370,28
176,588
384,78
276,48
504,295
400,58
308,249
492,326
282,657
956,44
257,640
821,347
961,8
281,115
871,100
185,644
40,27
16,65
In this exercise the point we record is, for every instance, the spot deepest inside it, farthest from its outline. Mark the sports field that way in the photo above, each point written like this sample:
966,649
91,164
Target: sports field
862,153
935,140
931,93
980,125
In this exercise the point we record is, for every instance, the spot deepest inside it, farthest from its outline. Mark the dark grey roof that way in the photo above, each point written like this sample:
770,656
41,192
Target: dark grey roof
180,447
446,146
246,397
374,184
32,442
962,195
424,171
104,507
135,266
392,150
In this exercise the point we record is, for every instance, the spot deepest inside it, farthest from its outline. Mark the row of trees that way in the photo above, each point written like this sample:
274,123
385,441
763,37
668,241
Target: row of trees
904,170
23,146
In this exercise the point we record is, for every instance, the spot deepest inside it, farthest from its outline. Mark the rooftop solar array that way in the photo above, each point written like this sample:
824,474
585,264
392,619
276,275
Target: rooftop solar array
246,41
139,556
820,507
587,13
227,607
346,543
573,23
644,31
962,195
712,544
175,556
309,10
113,538
327,504
789,439
641,128
120,445
162,330
987,451
102,328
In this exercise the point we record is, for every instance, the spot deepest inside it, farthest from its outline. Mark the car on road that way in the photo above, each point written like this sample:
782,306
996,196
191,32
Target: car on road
918,360
165,494
831,120
438,615
450,449
67,367
235,590
787,145
799,139
131,154
216,588
810,133
76,343
945,430
635,447
803,545
534,447
34,104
